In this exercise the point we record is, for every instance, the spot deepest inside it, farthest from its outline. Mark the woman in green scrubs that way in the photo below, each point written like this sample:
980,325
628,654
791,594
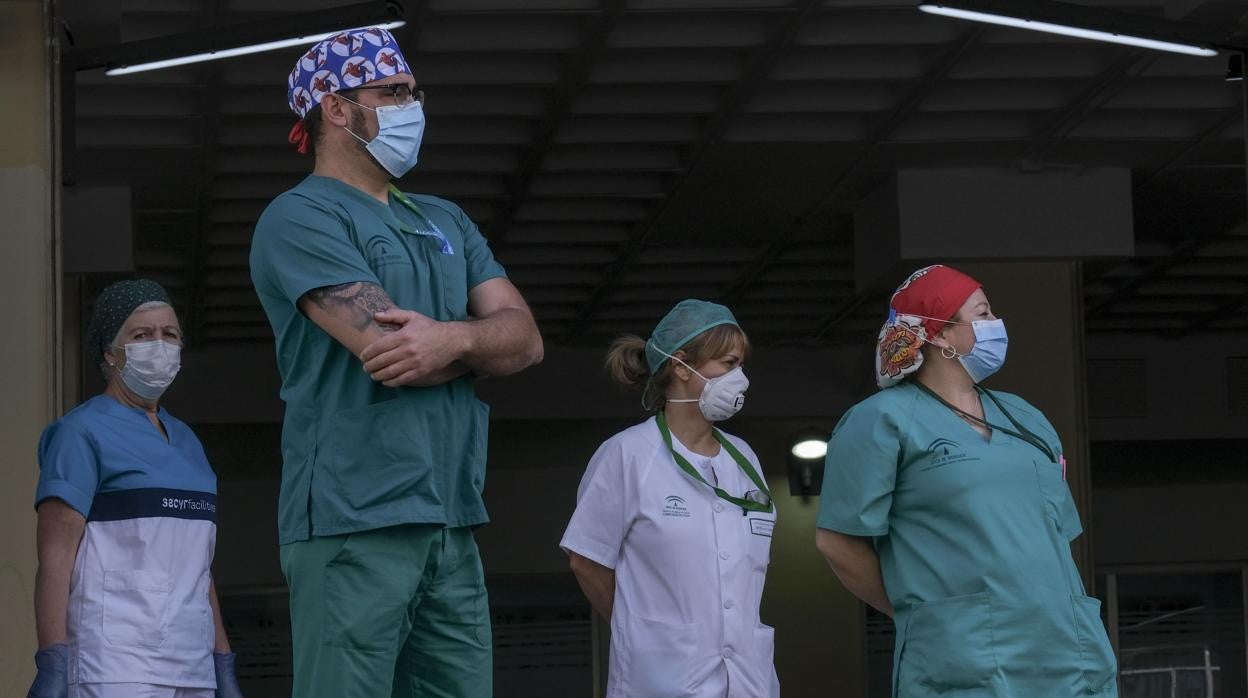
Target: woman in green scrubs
945,506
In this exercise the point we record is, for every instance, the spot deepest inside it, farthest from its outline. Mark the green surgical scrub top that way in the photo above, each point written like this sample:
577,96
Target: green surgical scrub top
357,455
973,537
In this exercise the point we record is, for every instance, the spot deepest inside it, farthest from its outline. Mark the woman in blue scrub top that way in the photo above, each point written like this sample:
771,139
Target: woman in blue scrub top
945,506
124,601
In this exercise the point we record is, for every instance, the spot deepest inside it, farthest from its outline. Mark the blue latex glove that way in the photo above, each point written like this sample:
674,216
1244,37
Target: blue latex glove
52,681
227,681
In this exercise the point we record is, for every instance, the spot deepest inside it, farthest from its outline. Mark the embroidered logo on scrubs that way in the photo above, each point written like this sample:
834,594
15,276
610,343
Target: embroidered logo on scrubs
946,452
378,251
675,506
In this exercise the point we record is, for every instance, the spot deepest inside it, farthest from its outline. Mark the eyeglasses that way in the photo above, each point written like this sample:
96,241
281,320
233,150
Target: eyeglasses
402,94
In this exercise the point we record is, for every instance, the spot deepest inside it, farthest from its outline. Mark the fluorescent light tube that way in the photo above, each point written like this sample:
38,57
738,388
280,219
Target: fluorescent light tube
240,51
1078,32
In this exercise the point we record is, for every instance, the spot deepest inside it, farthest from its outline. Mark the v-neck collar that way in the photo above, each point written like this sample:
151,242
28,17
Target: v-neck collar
992,415
113,406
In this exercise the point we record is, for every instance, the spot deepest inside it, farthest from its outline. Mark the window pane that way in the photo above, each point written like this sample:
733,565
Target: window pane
1181,635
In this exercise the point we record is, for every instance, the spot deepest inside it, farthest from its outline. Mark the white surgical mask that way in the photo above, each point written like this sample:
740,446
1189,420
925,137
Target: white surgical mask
722,396
151,367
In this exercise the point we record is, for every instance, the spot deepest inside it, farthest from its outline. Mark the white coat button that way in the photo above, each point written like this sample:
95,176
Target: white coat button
728,603
719,507
723,555
727,652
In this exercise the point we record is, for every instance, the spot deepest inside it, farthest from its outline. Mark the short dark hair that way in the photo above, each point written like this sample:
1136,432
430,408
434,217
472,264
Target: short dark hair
314,123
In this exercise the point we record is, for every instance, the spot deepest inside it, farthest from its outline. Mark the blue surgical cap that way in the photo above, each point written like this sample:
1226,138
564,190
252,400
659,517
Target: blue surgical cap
687,320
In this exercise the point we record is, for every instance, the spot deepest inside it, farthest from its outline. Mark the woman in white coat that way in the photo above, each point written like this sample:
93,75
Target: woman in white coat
671,536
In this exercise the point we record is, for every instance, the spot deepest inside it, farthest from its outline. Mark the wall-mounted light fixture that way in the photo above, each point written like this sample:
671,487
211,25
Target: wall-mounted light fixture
1235,68
806,451
1091,23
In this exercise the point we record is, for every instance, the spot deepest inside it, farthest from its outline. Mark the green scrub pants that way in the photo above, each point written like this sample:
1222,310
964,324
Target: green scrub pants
398,611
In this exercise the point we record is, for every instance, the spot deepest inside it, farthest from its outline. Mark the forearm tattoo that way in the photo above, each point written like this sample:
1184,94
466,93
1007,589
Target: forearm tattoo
355,303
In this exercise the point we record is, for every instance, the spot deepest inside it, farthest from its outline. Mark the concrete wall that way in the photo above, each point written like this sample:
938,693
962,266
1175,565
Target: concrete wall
27,345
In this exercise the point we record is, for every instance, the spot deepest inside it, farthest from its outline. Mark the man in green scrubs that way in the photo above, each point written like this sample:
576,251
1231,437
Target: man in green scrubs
945,505
386,306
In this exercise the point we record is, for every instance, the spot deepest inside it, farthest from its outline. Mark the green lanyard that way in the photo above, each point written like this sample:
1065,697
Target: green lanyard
444,244
747,504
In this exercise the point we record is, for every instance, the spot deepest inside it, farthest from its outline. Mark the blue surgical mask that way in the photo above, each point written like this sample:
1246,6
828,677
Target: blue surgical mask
988,355
399,133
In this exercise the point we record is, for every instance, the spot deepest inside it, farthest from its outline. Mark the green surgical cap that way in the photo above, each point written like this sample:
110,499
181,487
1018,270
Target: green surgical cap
687,320
113,307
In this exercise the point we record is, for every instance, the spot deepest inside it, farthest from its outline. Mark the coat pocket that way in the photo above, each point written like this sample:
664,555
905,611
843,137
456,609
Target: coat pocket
948,646
1097,664
135,602
765,644
660,658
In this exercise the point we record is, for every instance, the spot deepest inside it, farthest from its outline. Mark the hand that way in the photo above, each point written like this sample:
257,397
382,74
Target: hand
52,681
413,354
227,681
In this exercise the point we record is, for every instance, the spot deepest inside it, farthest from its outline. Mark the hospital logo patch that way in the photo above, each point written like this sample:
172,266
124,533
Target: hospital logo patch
378,252
675,506
946,452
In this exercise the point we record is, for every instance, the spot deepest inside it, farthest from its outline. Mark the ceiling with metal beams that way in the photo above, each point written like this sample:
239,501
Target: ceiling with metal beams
622,154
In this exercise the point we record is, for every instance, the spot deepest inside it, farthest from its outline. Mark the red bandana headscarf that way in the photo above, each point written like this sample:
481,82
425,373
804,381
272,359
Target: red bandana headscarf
920,308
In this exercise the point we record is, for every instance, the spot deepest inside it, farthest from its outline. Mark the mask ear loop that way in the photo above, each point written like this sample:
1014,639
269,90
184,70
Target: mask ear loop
705,380
682,363
949,352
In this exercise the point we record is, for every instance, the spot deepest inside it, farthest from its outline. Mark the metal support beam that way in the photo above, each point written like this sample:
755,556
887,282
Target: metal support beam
840,313
1210,132
1112,79
756,72
1154,270
575,75
1106,84
878,134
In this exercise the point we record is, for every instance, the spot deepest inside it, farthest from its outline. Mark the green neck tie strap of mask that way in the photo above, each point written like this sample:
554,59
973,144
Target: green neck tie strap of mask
747,505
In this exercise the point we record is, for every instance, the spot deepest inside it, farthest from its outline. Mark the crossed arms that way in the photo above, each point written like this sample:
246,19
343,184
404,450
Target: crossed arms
404,348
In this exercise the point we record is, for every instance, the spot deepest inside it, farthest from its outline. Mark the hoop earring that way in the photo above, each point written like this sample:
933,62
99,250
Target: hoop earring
948,352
